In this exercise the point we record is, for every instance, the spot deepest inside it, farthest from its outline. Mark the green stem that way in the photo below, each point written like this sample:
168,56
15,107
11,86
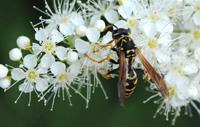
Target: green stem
180,31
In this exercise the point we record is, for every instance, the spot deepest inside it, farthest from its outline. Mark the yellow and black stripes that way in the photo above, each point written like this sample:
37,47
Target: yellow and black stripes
131,82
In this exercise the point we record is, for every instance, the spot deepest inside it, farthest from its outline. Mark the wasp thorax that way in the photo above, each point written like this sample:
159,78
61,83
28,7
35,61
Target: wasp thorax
48,46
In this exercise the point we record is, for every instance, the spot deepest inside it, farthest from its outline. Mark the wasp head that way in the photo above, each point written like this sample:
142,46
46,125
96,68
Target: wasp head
116,34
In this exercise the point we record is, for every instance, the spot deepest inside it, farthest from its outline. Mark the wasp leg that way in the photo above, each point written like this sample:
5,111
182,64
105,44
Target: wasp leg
106,75
100,61
107,27
147,76
106,45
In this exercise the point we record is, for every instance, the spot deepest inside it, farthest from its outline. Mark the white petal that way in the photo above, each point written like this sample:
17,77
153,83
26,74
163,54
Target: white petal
41,35
124,12
15,54
30,61
190,68
81,30
163,55
41,85
56,36
72,57
58,68
121,24
47,60
5,82
3,71
150,29
164,27
23,42
100,25
26,87
77,19
81,45
196,18
74,69
92,34
67,29
111,16
36,48
17,74
61,52
94,18
107,38
42,70
197,53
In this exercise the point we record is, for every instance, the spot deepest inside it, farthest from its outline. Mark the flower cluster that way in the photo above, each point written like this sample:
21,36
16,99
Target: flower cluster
68,56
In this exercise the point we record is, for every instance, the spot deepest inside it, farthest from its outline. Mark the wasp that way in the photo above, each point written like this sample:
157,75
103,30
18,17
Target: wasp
127,51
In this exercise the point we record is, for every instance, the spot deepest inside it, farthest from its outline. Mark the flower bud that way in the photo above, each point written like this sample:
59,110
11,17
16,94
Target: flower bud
15,54
5,82
3,71
23,42
81,30
72,57
100,25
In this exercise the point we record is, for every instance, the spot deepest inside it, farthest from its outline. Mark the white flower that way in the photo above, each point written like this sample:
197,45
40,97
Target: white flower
63,16
192,12
72,57
81,30
15,54
100,25
23,42
100,8
62,81
92,34
5,82
3,71
31,76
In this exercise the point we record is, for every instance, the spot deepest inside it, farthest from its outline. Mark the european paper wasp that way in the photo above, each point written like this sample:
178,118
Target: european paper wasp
127,51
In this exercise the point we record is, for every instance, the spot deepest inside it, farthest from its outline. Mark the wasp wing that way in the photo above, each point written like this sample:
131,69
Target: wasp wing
160,83
122,77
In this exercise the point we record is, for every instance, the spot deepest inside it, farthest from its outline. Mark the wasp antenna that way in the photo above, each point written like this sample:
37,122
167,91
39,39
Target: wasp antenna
115,26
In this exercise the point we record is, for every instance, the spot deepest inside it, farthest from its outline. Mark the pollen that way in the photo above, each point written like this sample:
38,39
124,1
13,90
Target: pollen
48,46
178,68
196,34
132,22
172,90
155,18
198,7
152,43
32,75
63,77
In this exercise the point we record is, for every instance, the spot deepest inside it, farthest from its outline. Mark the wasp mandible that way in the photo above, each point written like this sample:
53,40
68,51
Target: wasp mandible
127,51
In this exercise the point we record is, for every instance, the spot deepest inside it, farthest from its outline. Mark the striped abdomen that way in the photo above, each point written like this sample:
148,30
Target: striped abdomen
131,82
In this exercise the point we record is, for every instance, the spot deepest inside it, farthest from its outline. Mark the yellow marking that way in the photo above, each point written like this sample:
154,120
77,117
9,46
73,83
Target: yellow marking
122,48
128,55
124,40
120,38
132,59
126,84
135,82
128,51
129,38
133,50
116,34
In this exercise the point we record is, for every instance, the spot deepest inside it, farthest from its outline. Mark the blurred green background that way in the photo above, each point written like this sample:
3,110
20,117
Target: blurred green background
15,17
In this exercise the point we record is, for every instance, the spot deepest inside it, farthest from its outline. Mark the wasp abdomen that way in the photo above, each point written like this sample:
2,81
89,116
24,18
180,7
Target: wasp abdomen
131,82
